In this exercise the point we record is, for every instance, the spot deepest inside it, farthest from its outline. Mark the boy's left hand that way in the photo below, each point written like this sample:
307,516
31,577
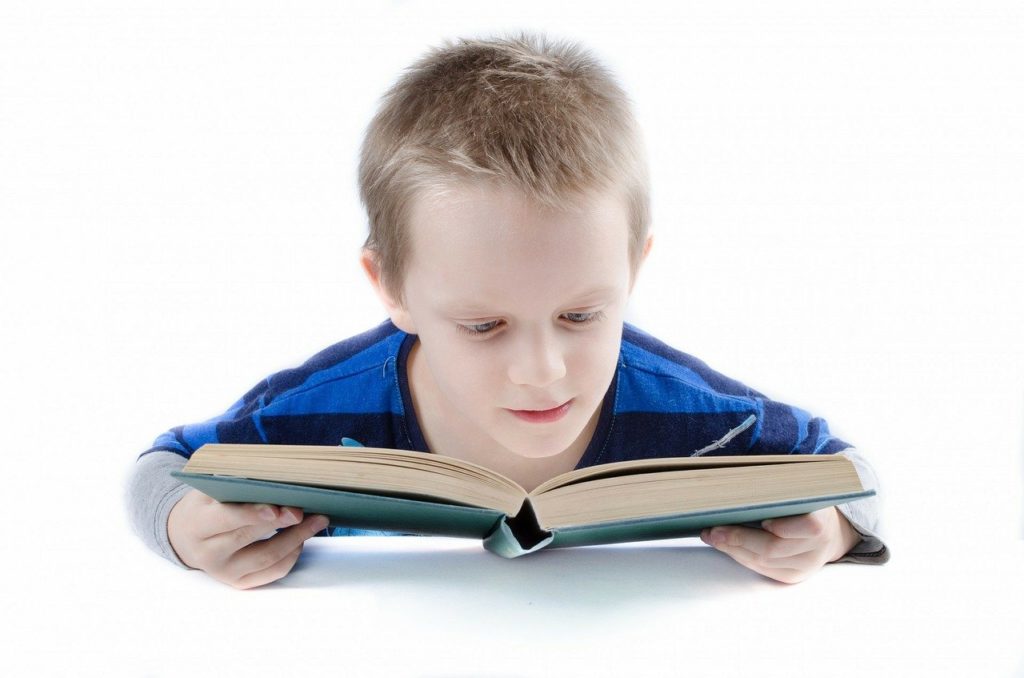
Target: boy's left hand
787,549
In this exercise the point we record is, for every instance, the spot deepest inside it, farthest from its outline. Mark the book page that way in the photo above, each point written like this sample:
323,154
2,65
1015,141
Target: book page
644,495
636,466
366,469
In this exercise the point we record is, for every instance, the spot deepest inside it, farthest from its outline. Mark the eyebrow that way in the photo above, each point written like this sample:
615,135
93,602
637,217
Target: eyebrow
600,291
468,306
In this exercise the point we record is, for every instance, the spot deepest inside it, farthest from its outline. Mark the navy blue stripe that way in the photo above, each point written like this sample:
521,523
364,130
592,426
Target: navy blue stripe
597,450
372,430
638,435
163,449
240,431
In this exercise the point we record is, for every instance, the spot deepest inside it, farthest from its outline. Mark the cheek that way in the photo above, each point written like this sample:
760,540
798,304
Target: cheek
468,376
595,360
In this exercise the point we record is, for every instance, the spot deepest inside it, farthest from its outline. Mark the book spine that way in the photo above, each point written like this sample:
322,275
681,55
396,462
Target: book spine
503,542
518,535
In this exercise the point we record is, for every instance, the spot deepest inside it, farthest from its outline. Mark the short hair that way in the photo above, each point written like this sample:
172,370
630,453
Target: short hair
524,111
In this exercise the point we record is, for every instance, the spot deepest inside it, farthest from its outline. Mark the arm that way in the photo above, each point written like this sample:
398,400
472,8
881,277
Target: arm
224,540
792,549
236,543
151,494
179,524
864,516
787,549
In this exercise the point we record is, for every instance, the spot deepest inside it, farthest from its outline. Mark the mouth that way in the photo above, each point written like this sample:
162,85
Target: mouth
544,416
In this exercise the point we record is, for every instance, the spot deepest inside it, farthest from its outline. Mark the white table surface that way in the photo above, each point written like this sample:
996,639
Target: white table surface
422,606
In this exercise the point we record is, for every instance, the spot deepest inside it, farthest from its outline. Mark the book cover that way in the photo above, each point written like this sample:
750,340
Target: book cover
504,535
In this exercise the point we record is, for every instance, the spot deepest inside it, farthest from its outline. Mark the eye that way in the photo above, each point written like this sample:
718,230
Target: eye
478,329
583,318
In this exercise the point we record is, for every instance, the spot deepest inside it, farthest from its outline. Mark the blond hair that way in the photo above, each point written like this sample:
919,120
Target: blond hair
538,115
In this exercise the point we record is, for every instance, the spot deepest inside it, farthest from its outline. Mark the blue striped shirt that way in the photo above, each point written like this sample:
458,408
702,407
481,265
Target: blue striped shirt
661,402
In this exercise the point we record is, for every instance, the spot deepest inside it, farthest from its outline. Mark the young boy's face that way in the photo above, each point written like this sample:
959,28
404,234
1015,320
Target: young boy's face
519,313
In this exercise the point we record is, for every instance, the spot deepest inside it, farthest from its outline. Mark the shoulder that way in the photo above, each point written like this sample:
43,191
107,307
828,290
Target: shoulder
660,367
663,394
669,403
361,358
349,388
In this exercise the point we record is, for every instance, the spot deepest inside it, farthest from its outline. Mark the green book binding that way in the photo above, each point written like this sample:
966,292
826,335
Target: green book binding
353,509
691,524
504,535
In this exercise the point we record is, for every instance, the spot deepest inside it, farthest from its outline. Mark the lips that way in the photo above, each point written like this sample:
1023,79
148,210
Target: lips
544,416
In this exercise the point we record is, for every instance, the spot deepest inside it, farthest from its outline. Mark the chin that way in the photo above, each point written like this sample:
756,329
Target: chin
541,446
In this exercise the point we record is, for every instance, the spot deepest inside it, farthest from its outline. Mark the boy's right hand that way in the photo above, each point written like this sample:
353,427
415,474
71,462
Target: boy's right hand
227,540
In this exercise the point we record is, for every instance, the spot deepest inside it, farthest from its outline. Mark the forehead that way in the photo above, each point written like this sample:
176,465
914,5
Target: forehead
473,242
470,219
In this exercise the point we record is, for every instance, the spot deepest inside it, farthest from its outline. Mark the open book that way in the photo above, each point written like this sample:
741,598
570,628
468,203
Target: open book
414,492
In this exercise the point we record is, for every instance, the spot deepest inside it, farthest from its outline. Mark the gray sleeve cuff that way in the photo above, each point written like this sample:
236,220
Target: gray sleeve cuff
151,494
865,517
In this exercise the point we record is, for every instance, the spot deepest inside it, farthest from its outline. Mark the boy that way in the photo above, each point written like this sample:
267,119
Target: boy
507,196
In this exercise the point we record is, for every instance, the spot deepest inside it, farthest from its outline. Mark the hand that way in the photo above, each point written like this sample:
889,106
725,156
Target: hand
787,549
227,540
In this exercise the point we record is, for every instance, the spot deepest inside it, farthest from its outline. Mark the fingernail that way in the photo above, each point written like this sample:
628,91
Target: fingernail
319,523
267,513
290,518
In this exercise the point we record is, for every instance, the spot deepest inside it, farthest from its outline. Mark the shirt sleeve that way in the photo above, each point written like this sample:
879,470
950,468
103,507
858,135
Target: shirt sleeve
150,495
784,429
865,516
152,491
239,424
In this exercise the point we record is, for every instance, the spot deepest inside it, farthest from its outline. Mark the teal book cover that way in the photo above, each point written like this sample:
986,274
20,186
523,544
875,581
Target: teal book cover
505,535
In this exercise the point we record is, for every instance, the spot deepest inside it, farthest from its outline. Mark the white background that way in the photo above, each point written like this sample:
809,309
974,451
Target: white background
837,199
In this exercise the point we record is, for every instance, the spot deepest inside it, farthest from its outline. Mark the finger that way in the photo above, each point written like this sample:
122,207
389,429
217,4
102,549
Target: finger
766,544
757,547
777,570
734,535
741,555
270,574
786,576
806,526
220,518
265,554
234,540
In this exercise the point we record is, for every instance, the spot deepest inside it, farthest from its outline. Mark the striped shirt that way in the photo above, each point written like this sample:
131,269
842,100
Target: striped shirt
661,403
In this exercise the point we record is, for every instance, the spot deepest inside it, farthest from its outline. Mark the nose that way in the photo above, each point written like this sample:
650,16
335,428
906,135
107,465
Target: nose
537,360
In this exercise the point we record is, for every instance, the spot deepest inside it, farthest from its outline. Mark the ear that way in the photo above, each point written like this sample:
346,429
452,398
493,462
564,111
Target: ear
643,257
396,310
647,247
